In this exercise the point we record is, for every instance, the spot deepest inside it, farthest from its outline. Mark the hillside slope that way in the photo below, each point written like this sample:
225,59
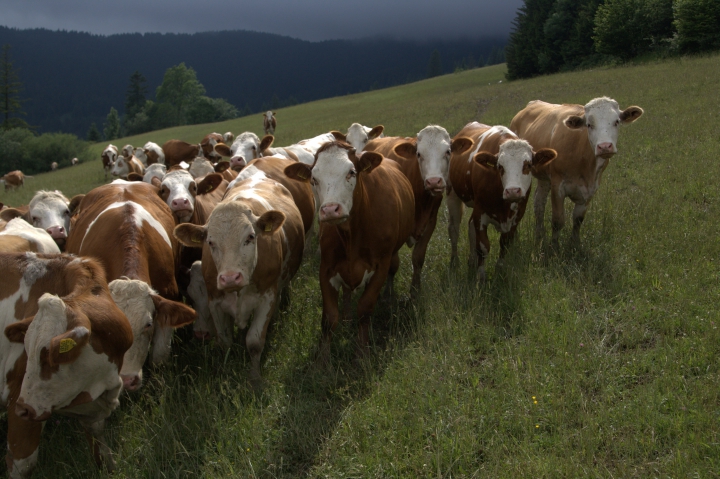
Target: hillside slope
600,361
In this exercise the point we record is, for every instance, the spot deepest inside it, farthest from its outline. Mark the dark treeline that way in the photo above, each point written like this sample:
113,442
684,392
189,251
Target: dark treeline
72,79
559,35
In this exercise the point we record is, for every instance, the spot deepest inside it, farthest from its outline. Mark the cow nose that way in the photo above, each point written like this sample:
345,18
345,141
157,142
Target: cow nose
57,232
331,210
230,279
436,183
512,193
605,148
131,382
237,161
180,204
24,411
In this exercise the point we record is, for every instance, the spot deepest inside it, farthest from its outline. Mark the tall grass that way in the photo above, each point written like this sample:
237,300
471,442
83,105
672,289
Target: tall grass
597,361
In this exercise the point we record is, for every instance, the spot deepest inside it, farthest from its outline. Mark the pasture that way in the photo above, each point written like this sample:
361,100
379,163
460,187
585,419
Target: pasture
597,361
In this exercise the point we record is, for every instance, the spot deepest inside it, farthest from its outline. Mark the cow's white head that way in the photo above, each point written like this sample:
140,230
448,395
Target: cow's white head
148,315
127,151
359,135
121,167
334,178
156,170
514,163
228,137
139,153
201,166
232,234
208,145
154,153
245,148
109,155
50,210
65,366
432,151
602,118
179,189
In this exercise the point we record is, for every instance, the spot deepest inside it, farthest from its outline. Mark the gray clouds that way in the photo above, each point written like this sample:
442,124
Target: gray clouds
312,20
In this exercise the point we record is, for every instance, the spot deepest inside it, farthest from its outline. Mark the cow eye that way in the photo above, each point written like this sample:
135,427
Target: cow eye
501,170
35,219
67,212
590,127
351,173
418,155
250,239
211,244
313,181
147,326
447,152
617,122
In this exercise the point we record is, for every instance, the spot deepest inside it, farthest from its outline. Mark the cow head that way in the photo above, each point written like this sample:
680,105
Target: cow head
334,177
67,366
121,167
432,152
139,153
208,145
602,118
231,235
179,189
514,163
244,149
359,135
228,137
109,155
48,210
201,166
127,151
147,313
156,170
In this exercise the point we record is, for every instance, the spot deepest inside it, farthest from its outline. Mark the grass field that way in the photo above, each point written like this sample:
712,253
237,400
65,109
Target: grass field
600,361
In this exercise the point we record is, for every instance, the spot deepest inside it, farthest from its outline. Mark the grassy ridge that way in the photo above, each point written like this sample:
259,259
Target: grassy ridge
600,361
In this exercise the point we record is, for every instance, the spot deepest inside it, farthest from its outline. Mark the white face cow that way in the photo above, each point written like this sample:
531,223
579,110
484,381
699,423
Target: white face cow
201,166
139,153
154,153
178,189
334,177
359,135
602,119
127,151
120,167
62,369
50,211
156,170
244,149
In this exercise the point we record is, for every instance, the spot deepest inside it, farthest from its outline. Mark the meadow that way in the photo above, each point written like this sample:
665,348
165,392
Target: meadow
595,361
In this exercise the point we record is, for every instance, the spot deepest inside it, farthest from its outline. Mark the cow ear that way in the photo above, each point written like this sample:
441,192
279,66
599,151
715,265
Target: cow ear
12,213
338,135
575,122
266,142
221,166
461,145
66,347
75,203
368,161
630,114
270,222
223,150
486,159
299,171
134,176
209,183
155,181
190,235
376,132
172,314
543,156
15,332
406,150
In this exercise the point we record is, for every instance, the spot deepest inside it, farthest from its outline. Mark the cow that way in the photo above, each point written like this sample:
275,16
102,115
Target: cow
252,246
74,162
247,146
127,151
269,123
129,228
425,161
585,138
366,215
179,190
19,236
178,151
494,179
156,170
201,166
228,138
208,146
139,153
62,350
124,166
154,153
48,210
358,135
53,166
14,179
109,155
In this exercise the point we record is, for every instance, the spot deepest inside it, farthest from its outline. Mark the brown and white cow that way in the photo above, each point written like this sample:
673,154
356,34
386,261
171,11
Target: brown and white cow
425,161
129,229
62,349
156,170
177,151
19,236
14,179
53,166
48,210
494,179
585,138
252,247
358,135
191,201
127,151
269,123
124,166
153,153
366,215
74,162
247,147
208,146
109,155
228,138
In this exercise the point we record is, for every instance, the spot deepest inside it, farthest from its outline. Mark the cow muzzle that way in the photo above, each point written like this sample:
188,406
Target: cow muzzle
605,150
332,213
131,382
230,281
27,412
237,161
436,186
512,194
58,233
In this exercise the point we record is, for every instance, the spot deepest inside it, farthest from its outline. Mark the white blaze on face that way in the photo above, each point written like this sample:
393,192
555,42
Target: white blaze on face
156,170
433,148
602,117
120,167
245,148
90,372
178,189
514,160
333,180
357,136
49,211
127,151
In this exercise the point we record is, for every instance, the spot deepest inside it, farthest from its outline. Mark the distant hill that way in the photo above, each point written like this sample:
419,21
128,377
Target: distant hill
71,79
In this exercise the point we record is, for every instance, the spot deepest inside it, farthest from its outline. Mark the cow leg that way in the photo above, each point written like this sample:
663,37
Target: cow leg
329,318
23,441
389,293
455,209
482,244
558,214
541,194
578,218
366,305
95,434
223,324
347,298
472,241
255,337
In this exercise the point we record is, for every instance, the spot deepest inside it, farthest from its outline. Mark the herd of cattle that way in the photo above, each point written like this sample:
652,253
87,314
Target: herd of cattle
94,284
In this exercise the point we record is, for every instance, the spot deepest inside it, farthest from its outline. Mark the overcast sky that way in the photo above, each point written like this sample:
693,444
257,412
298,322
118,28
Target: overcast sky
307,19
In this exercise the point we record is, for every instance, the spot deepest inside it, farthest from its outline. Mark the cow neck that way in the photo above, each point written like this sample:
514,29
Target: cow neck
134,263
352,231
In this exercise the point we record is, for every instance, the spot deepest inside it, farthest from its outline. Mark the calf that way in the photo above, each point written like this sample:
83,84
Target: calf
252,247
177,151
18,236
585,138
366,214
14,179
62,351
109,155
269,123
358,135
494,180
129,229
425,161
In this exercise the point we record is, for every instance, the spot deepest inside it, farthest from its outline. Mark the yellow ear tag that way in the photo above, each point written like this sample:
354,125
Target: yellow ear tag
195,240
367,167
268,228
302,175
67,344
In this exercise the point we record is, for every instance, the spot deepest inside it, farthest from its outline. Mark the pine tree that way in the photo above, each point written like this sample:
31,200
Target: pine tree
112,125
435,65
93,134
10,86
135,96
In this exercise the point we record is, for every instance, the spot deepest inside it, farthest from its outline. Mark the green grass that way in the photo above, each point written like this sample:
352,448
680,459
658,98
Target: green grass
617,340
